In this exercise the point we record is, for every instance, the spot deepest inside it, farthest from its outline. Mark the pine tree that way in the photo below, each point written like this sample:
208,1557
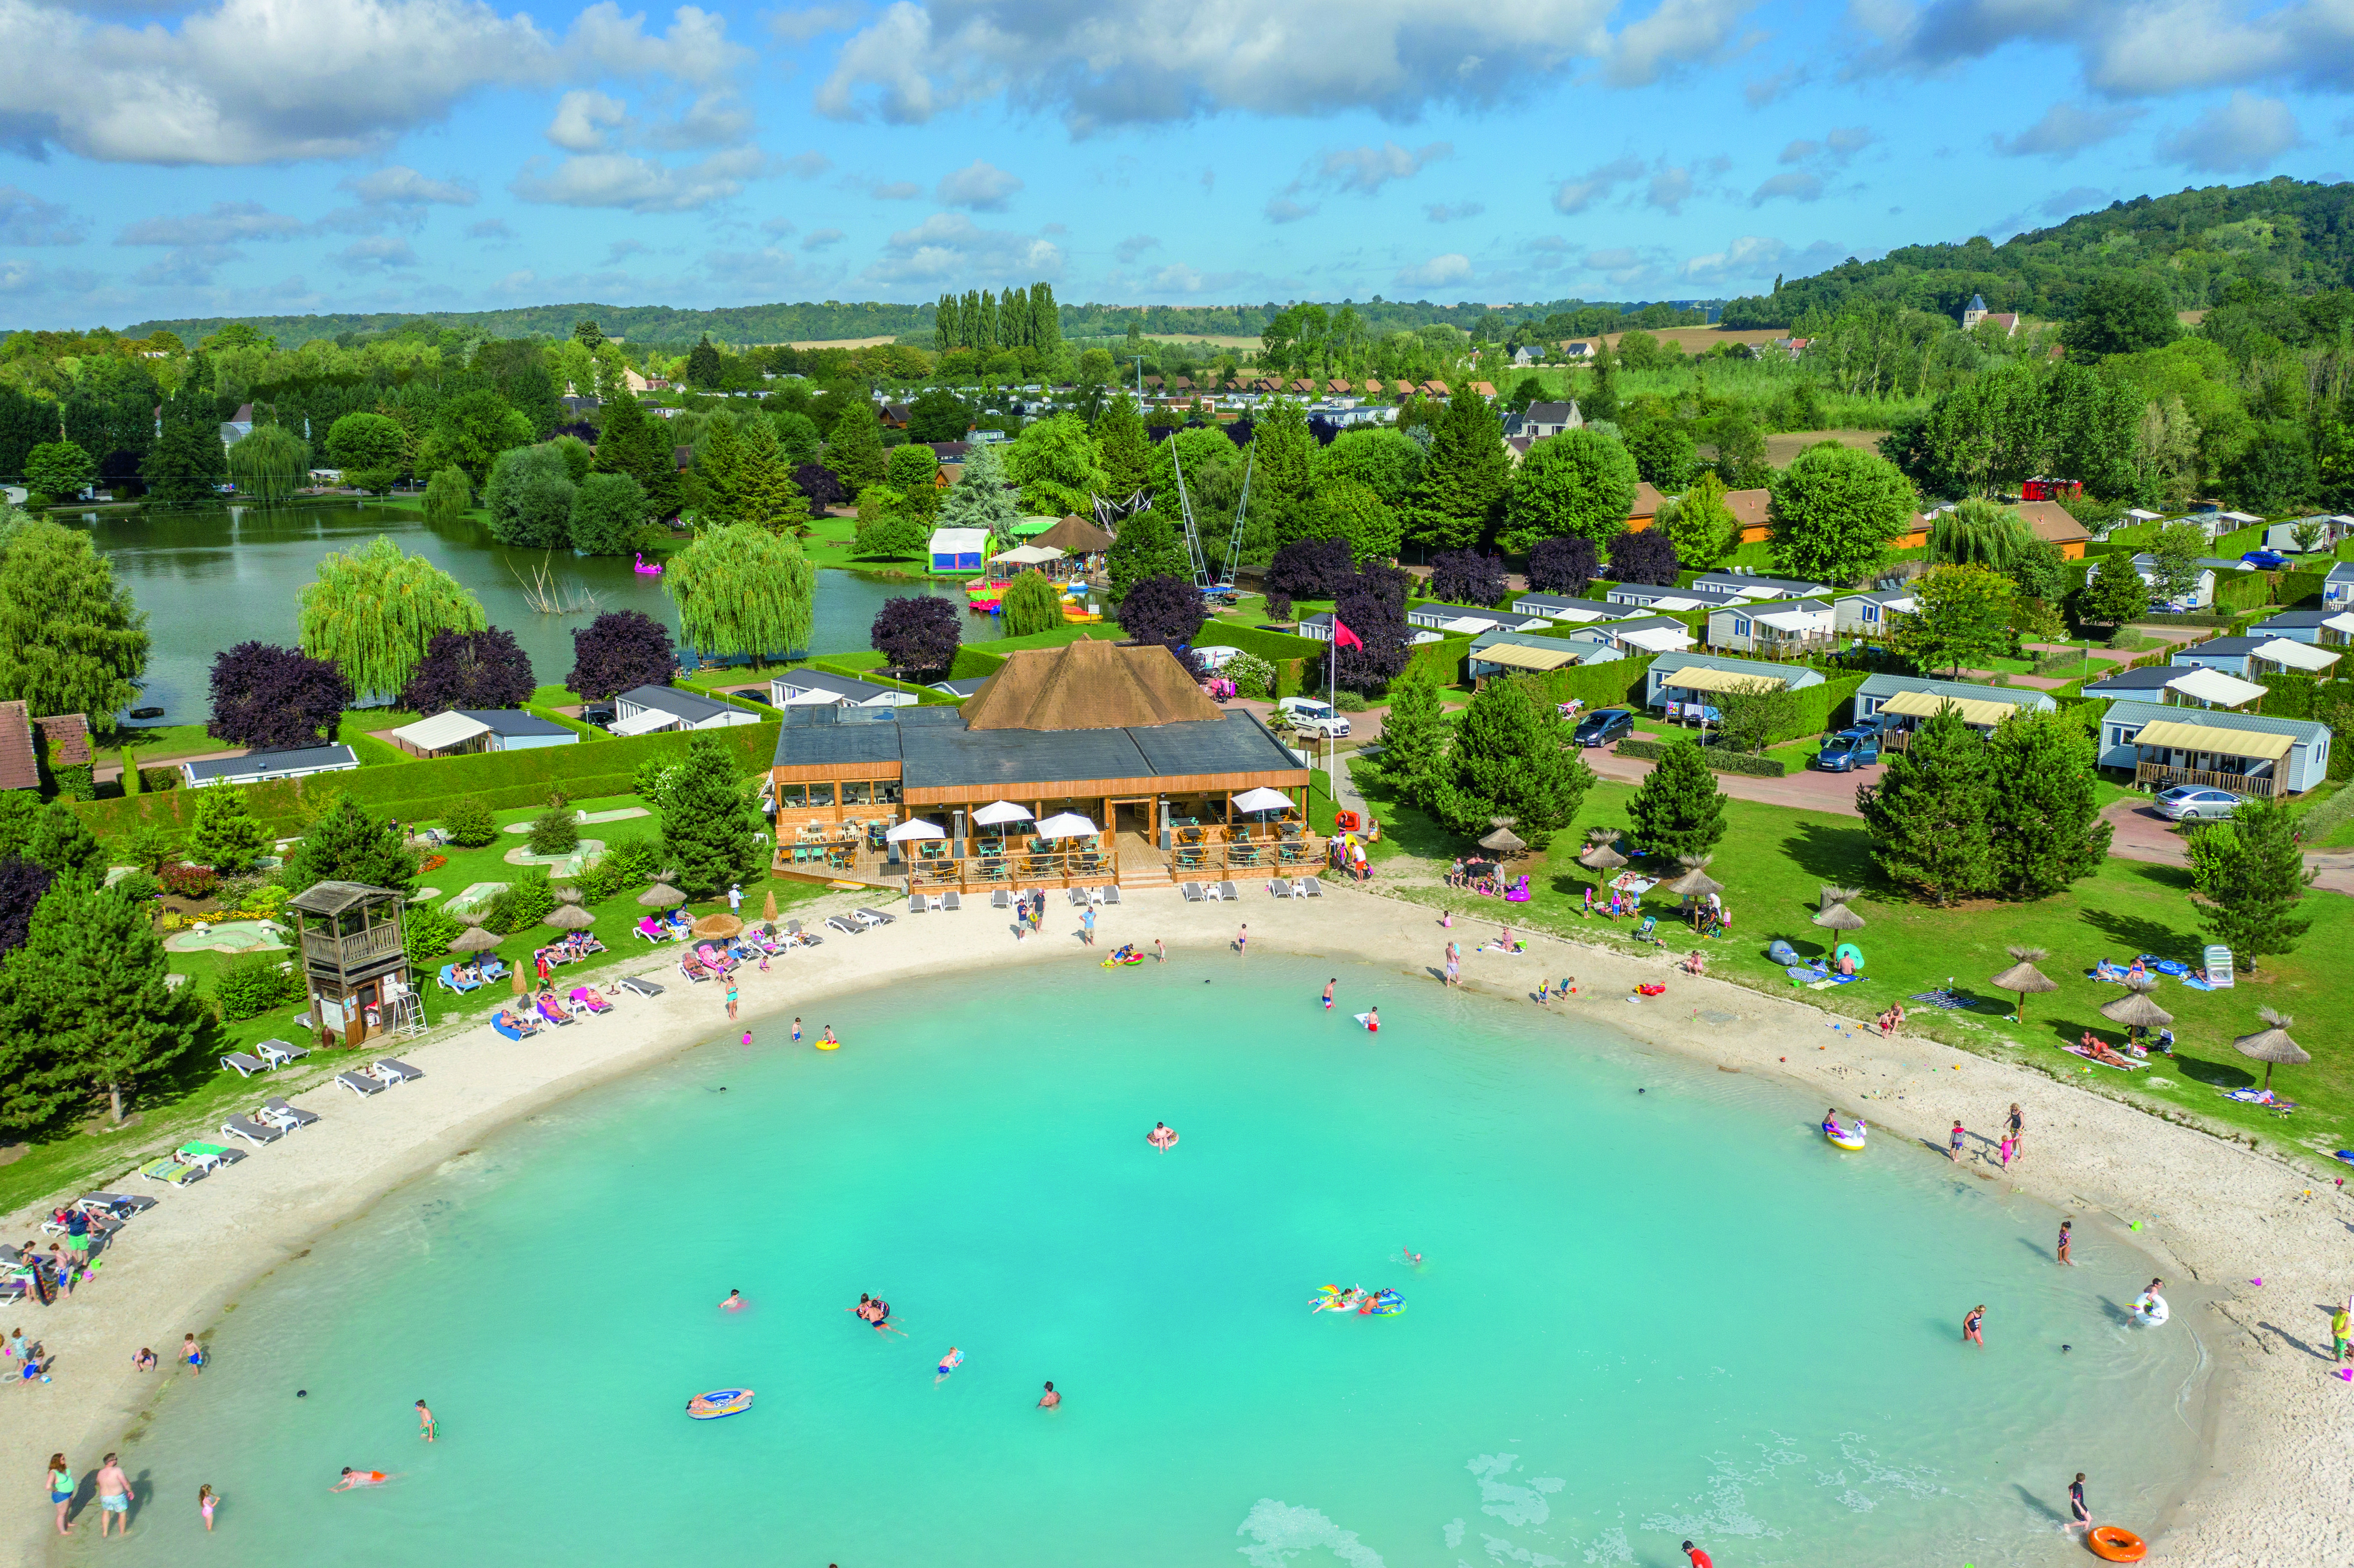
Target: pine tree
63,844
187,459
1601,399
1511,757
226,835
710,822
2113,593
1678,809
1928,814
1149,545
85,1005
1281,472
2045,822
1123,451
767,496
349,845
1414,737
2248,876
630,444
1047,321
1459,497
979,498
944,324
854,450
717,480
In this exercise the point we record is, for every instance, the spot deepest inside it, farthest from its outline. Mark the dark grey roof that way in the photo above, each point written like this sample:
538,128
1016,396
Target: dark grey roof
984,756
676,702
2148,679
294,759
1739,580
962,688
2222,648
2297,617
935,749
514,721
810,736
335,897
1238,742
857,690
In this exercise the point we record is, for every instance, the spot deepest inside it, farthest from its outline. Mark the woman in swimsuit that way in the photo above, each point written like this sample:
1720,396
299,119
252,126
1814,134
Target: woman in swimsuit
1971,1324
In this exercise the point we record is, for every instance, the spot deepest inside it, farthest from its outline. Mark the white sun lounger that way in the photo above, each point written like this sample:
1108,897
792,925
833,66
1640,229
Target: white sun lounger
875,916
253,1132
1227,891
277,1110
1111,893
1193,892
950,900
1279,887
117,1202
1315,888
278,1052
794,930
999,899
395,1071
847,924
244,1065
1077,895
361,1084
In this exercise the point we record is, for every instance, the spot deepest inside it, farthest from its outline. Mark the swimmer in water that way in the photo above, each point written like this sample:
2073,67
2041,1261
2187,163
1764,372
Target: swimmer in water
734,1302
353,1480
1374,1020
1328,992
1411,1255
1051,1399
424,1421
829,1035
949,1363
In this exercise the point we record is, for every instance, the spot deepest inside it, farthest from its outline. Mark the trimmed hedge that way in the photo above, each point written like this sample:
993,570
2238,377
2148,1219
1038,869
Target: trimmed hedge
2288,696
1825,707
2242,591
2295,587
973,663
1717,761
1618,684
418,792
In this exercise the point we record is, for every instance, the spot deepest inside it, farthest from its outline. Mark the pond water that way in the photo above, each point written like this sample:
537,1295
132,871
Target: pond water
207,580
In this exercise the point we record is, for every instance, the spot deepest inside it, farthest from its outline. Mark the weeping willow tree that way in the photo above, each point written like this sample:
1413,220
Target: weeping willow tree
373,613
270,464
742,589
1980,533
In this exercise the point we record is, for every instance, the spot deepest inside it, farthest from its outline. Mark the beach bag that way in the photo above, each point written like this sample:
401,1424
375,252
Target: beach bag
1782,953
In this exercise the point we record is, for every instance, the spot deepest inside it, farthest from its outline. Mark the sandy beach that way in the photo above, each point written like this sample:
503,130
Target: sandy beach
2274,1485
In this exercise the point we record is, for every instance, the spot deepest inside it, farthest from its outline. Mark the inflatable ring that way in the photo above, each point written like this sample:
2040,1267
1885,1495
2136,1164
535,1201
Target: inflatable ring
2114,1544
829,1045
1155,1141
1843,1140
719,1402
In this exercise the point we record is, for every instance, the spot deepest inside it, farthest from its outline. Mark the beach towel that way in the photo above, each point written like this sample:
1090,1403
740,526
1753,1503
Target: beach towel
2105,1057
2196,983
1948,1000
2345,1154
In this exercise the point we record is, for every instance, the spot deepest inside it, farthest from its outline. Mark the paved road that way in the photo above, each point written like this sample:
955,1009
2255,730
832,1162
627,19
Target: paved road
2142,834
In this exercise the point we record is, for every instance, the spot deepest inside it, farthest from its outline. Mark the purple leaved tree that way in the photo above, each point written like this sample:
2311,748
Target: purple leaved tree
1561,565
469,670
918,634
269,698
618,650
22,884
1310,569
1168,611
820,485
1646,557
1372,605
1467,576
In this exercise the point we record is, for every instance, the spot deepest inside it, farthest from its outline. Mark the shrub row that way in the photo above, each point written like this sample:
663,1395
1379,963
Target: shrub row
1717,761
2236,591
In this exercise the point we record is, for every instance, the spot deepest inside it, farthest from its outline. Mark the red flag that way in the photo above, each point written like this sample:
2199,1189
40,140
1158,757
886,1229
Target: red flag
1344,638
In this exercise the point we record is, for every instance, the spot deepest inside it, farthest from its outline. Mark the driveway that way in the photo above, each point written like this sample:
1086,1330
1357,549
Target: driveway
2142,834
1809,789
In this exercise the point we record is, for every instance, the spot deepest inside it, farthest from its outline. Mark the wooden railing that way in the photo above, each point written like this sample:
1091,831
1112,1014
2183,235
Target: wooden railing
2155,776
354,951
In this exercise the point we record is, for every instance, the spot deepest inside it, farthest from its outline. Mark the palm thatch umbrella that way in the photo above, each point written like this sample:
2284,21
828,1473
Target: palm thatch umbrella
1839,917
567,894
568,918
1831,896
1695,882
768,907
2272,1047
661,895
1598,855
2136,1011
474,939
1503,840
719,925
516,981
2024,977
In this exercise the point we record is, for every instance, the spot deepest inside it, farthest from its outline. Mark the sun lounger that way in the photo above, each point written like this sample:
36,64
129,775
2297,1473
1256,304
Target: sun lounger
950,900
253,1132
874,916
716,959
1111,893
999,899
845,924
808,939
394,1070
277,1110
123,1205
360,1084
642,986
652,930
551,1009
280,1052
1193,892
245,1065
516,1025
171,1173
1315,888
1226,891
1077,895
1279,887
590,999
451,979
693,968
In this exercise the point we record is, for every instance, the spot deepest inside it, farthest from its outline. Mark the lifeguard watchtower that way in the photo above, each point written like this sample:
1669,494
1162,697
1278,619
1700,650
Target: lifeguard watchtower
354,962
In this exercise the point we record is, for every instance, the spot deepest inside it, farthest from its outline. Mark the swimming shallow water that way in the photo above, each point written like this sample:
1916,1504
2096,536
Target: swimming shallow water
1643,1315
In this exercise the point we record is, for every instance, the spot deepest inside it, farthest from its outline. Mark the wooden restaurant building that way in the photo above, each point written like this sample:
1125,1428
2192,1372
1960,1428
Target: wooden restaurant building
1119,738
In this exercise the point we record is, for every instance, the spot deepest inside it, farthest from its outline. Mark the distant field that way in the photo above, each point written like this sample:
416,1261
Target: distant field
1781,449
1700,339
843,342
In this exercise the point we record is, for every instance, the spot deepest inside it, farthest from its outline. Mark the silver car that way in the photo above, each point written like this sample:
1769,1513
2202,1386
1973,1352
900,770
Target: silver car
2193,803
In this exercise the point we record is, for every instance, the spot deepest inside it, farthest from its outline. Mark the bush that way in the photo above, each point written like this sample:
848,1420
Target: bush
138,888
152,779
1252,675
524,904
1717,759
651,781
1279,606
554,832
251,987
1348,701
185,881
426,933
468,822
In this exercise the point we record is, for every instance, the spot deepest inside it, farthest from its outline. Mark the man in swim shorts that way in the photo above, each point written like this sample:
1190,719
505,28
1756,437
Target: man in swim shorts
1328,992
949,1363
353,1480
1051,1398
1373,1021
113,1498
424,1421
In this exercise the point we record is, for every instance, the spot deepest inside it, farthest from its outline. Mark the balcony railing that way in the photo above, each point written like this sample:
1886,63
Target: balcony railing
356,950
2155,776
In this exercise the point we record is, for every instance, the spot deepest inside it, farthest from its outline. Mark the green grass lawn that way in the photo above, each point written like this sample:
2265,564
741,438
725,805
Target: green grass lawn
1773,860
201,1094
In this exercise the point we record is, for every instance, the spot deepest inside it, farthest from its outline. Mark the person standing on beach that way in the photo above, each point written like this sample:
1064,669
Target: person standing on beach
113,1498
2079,1516
2341,1323
1953,1143
1974,1322
1088,925
731,998
61,1490
797,1030
1242,939
1454,964
2018,1128
2067,1229
1160,953
424,1421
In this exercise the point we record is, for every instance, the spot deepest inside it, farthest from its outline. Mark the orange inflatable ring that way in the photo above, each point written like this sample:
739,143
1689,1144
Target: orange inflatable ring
2113,1543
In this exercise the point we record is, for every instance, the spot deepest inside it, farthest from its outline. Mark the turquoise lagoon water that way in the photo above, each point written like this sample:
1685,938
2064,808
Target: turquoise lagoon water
1644,1315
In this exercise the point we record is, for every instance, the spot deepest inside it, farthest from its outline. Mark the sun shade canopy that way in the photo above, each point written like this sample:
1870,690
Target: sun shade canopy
1262,800
1974,710
2294,656
2210,737
998,812
1658,639
1518,656
2214,686
1702,678
1066,825
440,731
645,721
917,828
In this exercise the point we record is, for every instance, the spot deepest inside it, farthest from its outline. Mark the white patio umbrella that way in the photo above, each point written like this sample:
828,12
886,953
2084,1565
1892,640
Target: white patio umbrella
1262,800
999,812
916,829
1066,825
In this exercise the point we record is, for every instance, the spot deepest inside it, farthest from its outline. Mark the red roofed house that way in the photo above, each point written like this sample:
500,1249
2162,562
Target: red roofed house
1484,389
1434,388
31,748
1338,385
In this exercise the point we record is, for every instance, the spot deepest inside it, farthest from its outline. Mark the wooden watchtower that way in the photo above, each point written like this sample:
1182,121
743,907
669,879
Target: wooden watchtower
353,958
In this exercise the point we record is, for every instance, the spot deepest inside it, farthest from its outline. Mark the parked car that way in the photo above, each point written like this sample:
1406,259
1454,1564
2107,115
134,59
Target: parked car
2197,803
2266,560
598,713
1858,746
1313,717
1602,726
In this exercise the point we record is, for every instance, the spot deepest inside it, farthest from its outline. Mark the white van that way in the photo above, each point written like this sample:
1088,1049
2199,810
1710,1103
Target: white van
1314,717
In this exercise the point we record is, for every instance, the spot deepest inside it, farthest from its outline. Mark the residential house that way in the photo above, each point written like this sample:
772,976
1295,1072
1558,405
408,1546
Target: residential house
1752,509
1750,585
2052,523
895,416
258,767
463,730
1485,391
1434,390
2229,654
2336,526
1652,596
1452,620
61,740
2178,685
2280,656
1912,698
1640,634
2215,525
1786,628
1576,350
1316,628
1522,358
1645,509
2325,627
1868,612
1547,420
644,710
2201,592
1524,654
1976,312
1560,607
2253,753
823,688
1685,684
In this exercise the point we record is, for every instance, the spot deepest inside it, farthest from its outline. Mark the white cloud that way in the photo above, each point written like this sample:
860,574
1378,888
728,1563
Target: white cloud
377,254
1623,264
638,184
949,246
224,223
1454,211
1364,170
1435,272
696,49
1751,256
893,190
1130,62
2124,47
620,251
779,227
1178,278
1838,145
20,278
400,186
1759,91
2067,128
1799,184
26,219
768,269
188,267
1284,209
2073,200
800,26
586,121
1134,246
1669,190
978,187
2244,135
1575,195
806,166
823,239
713,120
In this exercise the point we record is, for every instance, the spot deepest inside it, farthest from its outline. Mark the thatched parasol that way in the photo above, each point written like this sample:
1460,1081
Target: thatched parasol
1831,896
568,918
474,939
1839,917
2136,1011
1695,882
516,981
2024,977
566,892
718,924
768,907
2272,1047
661,895
1600,856
1503,840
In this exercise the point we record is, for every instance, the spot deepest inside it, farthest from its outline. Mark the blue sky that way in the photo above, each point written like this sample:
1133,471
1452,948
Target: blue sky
290,156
